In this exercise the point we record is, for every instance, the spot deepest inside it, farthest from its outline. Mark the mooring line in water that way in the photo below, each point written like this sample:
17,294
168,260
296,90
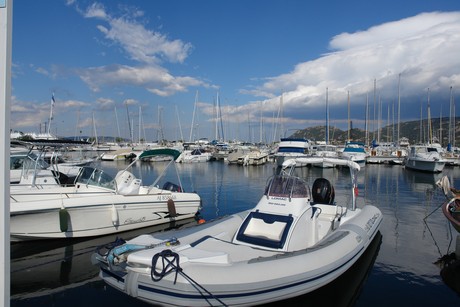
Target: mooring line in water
432,236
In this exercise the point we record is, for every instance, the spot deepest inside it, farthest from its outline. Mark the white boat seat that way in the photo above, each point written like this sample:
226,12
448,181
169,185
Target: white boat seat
127,184
264,229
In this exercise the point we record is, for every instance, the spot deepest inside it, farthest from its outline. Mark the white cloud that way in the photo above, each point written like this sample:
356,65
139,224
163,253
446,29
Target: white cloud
154,78
423,49
130,102
96,10
147,47
141,44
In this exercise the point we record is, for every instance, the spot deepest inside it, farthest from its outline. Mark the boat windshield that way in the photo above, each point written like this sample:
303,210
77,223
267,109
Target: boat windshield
95,177
27,161
287,186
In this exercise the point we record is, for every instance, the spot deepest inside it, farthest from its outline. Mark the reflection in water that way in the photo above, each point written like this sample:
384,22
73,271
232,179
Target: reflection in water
450,271
49,266
450,267
345,290
414,234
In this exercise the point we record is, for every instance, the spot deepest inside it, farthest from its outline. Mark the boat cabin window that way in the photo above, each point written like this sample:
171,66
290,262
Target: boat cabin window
264,229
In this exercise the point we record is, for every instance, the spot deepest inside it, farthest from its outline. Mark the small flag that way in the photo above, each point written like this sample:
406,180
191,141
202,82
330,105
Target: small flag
52,100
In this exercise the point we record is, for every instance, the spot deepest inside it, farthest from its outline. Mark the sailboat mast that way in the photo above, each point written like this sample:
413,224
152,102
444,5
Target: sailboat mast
129,122
366,123
430,135
440,126
349,124
95,131
51,114
375,102
193,117
449,136
399,105
216,116
76,126
421,123
327,116
379,118
140,123
118,125
180,127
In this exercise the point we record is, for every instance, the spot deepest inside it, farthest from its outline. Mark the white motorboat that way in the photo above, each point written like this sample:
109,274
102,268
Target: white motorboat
97,205
31,160
117,155
254,157
425,158
294,241
290,148
326,151
354,151
194,156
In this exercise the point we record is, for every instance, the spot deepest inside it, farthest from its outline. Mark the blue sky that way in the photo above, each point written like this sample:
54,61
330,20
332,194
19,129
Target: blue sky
151,59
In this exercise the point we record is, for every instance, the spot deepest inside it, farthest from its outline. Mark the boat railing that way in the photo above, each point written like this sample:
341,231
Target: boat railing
14,195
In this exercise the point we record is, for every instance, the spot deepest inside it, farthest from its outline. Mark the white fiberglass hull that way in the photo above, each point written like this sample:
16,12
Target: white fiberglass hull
239,275
423,165
94,215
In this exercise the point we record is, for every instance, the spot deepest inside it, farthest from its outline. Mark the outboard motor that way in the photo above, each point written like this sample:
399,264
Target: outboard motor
323,191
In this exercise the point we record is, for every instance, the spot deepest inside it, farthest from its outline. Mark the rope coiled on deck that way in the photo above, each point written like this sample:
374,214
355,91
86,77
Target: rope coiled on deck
170,264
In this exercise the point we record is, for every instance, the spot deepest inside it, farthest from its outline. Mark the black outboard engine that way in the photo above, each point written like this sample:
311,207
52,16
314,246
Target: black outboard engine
323,191
171,187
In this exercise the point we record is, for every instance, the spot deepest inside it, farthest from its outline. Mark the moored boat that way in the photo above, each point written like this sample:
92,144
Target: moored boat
451,207
291,148
295,240
425,158
97,204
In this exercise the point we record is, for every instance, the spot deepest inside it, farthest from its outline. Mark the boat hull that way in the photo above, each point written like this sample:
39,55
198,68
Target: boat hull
262,279
451,210
96,215
425,165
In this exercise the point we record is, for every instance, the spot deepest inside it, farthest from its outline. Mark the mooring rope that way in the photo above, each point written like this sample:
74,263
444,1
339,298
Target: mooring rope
170,264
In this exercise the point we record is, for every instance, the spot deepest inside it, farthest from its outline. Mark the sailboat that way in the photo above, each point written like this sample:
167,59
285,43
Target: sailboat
353,150
326,150
426,157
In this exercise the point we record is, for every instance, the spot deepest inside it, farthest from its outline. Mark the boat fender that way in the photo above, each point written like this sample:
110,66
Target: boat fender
171,208
115,219
63,219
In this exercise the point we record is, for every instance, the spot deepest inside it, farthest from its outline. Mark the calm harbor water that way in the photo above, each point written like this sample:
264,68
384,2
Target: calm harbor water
399,268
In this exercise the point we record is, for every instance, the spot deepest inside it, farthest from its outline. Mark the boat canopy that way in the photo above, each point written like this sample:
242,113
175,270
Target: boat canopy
160,152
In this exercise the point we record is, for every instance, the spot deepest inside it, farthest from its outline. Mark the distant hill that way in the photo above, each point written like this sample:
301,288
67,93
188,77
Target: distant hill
410,130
